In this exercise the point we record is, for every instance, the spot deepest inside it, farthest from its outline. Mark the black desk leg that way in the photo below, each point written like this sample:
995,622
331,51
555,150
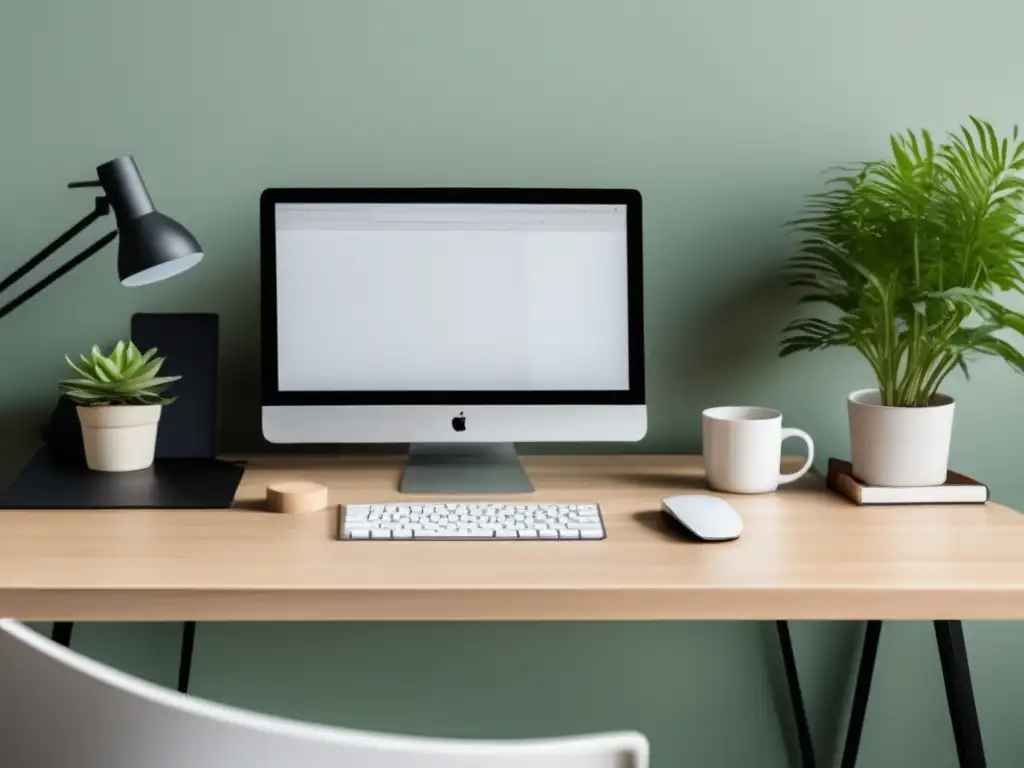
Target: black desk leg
803,729
963,713
61,632
188,640
865,672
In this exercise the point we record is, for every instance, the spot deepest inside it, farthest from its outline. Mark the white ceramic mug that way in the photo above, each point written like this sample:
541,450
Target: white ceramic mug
743,449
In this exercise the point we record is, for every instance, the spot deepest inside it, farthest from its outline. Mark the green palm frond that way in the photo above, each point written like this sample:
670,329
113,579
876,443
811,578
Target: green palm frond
124,377
911,252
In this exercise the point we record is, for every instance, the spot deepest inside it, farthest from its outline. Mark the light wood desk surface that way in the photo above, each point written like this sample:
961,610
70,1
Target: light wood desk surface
804,554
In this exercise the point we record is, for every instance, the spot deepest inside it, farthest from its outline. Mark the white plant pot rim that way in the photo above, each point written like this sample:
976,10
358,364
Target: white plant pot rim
859,398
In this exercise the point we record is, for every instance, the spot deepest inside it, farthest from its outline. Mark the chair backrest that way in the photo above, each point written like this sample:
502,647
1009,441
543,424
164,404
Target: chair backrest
59,708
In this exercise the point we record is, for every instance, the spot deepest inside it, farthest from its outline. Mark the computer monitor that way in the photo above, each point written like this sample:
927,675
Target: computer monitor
458,320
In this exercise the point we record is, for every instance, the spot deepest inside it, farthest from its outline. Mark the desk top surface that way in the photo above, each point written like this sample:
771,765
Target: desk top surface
804,553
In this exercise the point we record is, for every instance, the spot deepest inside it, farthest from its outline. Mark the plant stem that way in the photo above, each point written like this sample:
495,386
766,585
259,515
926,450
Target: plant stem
889,394
946,363
915,328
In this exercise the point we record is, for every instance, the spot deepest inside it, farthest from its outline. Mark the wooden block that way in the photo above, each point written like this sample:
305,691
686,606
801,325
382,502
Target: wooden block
296,497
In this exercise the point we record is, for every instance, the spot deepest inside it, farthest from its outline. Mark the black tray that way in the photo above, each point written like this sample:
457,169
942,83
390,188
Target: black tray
46,483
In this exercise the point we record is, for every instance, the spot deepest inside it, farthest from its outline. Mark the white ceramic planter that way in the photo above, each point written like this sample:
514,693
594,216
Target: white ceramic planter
899,447
119,438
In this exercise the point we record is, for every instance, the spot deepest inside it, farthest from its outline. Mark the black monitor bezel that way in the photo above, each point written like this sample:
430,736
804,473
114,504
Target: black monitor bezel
631,198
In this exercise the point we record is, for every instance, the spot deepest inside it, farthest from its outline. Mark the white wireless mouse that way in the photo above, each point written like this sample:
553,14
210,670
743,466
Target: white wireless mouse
707,517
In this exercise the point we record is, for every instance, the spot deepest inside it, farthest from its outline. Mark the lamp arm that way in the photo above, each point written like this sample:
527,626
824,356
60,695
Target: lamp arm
102,209
58,273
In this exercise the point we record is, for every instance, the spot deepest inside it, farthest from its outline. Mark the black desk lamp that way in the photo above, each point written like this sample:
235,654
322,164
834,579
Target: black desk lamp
153,246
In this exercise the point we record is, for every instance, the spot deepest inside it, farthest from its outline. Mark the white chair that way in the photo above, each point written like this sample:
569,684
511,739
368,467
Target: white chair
59,708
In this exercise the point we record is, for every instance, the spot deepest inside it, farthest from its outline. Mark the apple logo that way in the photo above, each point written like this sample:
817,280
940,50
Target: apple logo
459,422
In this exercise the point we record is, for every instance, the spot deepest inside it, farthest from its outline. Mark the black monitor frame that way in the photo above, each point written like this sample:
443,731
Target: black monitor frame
273,395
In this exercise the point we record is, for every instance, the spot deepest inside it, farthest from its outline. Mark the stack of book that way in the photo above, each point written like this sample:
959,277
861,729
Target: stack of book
958,489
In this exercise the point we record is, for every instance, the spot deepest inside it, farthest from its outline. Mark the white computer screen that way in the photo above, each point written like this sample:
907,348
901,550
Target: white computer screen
451,297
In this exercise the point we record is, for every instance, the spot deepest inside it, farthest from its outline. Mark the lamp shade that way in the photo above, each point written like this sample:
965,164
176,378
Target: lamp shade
152,246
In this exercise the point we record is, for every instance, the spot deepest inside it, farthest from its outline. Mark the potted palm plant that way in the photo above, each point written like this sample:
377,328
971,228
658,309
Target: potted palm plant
910,255
119,399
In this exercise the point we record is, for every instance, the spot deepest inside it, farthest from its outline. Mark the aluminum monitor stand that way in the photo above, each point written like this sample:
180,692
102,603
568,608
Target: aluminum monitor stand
460,468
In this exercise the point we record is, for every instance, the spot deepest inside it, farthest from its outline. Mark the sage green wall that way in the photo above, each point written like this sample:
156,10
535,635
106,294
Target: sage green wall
722,113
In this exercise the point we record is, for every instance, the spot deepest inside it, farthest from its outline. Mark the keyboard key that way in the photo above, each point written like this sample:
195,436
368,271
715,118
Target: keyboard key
381,534
402,533
565,534
592,534
547,534
529,533
359,535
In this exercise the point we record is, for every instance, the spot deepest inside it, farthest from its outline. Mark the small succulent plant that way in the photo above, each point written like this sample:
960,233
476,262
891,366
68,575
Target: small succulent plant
125,377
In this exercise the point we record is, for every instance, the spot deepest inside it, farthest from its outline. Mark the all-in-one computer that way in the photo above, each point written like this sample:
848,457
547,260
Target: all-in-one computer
458,320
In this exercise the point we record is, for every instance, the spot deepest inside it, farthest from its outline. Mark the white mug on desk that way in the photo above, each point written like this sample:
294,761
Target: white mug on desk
743,449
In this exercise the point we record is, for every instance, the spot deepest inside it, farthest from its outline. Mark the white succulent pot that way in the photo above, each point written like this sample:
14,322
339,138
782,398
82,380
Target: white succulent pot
899,446
119,438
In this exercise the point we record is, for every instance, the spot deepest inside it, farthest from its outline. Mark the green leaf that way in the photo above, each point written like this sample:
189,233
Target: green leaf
78,370
100,373
902,161
149,369
929,145
108,367
914,147
962,365
142,385
970,139
117,356
83,396
1013,320
1007,352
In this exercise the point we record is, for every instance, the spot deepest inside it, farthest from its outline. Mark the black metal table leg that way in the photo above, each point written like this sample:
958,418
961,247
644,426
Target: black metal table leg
963,713
188,640
61,632
803,729
865,673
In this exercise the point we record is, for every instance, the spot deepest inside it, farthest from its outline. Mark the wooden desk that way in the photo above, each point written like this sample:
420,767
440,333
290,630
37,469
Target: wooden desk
804,554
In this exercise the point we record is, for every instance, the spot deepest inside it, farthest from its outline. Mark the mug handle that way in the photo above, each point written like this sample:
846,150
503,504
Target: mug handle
791,432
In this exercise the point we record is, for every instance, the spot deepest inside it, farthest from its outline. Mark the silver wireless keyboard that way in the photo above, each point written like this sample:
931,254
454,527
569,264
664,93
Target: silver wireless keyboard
472,520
